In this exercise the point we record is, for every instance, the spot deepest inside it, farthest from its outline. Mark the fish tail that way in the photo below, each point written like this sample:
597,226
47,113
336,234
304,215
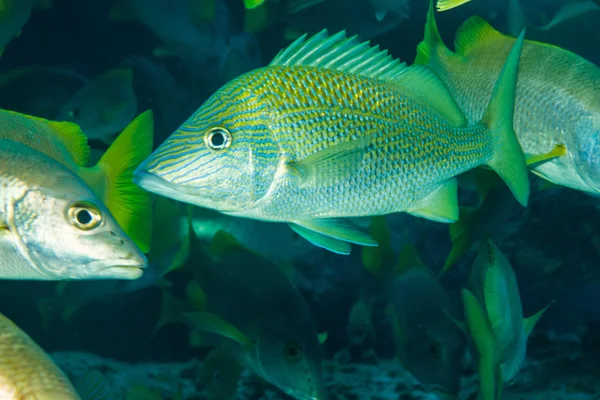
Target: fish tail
130,205
432,45
508,159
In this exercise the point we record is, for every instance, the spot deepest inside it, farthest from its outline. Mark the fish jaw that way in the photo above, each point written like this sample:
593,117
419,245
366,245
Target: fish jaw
157,185
123,268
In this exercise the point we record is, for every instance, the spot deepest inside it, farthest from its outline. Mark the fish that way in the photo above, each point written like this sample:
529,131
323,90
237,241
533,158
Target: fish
445,5
27,372
104,106
494,320
337,129
382,7
53,226
267,326
110,179
556,102
13,17
360,323
219,375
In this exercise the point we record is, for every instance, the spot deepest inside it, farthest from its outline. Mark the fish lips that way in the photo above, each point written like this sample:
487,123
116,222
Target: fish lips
122,268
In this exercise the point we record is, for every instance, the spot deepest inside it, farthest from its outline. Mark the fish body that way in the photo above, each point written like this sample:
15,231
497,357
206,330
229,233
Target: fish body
429,343
13,16
26,371
279,339
53,226
495,320
557,101
316,137
104,106
110,179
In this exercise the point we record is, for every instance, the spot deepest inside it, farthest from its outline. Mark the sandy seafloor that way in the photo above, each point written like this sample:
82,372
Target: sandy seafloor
552,371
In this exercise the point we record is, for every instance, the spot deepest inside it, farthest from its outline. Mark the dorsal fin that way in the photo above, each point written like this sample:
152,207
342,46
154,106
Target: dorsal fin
340,53
472,32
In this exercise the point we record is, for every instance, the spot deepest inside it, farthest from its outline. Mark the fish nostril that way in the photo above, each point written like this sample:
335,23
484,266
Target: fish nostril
122,242
112,233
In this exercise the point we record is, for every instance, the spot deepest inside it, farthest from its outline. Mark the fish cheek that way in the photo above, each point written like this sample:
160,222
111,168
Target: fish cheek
585,151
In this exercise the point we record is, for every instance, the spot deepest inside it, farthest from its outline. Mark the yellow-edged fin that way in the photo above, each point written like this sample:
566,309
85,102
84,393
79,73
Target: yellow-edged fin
129,204
252,4
532,321
373,257
338,228
207,322
432,45
508,159
171,310
71,136
256,19
408,259
558,151
460,234
445,5
473,33
332,164
320,240
195,295
483,339
441,205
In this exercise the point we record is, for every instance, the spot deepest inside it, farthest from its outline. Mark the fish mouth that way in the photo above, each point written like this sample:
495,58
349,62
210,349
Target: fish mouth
122,268
157,185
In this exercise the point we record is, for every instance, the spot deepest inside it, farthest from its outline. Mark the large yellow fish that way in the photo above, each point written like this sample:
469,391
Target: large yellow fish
557,98
331,129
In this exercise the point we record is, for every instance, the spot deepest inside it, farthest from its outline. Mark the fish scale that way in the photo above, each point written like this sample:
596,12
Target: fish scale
331,129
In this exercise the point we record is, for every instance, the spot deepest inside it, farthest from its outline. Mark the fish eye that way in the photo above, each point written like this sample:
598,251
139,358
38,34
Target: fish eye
84,216
217,138
292,352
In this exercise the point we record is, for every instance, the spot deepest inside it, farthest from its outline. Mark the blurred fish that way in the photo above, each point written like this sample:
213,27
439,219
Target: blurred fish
13,16
556,103
445,5
429,343
26,371
310,180
169,251
104,106
110,179
398,7
495,320
185,27
53,227
219,375
360,323
94,386
52,87
267,325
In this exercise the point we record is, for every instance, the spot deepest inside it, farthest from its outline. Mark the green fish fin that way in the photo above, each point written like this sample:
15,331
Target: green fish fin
195,339
373,257
483,339
71,136
319,240
432,46
170,311
195,295
424,85
129,204
461,236
256,19
495,291
207,322
332,164
558,151
445,5
441,205
322,337
124,74
409,259
251,4
508,160
340,53
224,243
94,386
473,33
294,6
531,322
338,228
140,392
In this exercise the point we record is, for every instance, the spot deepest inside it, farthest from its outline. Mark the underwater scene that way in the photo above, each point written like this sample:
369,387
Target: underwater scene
299,199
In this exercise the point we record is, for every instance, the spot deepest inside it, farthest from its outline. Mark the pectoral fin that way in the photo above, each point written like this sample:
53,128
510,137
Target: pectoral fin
339,229
558,151
319,240
205,321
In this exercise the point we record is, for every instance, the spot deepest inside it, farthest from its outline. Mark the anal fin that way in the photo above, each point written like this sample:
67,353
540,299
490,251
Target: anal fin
441,205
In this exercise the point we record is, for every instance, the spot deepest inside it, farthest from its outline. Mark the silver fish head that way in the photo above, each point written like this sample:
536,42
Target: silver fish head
56,226
586,151
223,157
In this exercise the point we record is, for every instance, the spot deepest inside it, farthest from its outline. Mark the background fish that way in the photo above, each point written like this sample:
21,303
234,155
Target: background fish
336,130
556,99
103,107
52,226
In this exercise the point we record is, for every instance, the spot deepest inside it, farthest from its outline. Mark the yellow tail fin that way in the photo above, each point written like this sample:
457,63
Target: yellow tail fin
130,205
445,5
